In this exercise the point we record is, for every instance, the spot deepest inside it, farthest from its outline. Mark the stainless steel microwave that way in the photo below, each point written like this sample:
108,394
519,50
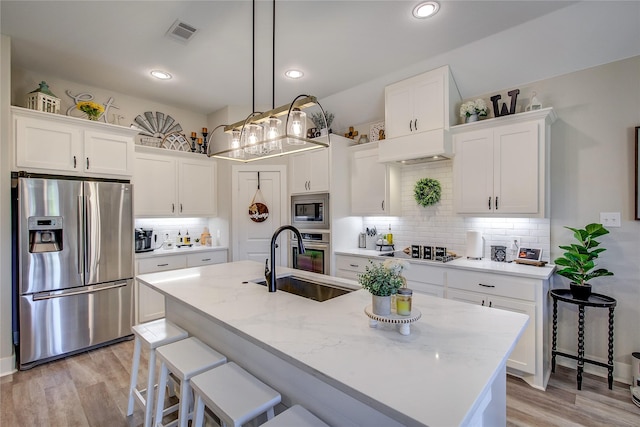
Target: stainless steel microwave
310,211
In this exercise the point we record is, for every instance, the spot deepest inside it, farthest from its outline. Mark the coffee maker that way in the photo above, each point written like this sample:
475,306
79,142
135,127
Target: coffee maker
143,239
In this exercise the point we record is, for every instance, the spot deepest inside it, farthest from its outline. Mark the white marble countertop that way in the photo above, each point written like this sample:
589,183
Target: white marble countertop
179,251
434,376
483,265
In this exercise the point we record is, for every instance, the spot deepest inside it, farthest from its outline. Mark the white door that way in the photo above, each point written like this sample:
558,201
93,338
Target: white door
252,240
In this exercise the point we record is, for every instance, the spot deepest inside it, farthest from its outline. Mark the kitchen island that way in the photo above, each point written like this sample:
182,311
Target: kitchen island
451,369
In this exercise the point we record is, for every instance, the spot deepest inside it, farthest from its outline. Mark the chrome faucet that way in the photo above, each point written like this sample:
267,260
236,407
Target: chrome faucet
270,275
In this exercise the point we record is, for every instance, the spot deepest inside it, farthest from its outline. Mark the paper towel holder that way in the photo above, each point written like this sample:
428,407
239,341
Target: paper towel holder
474,245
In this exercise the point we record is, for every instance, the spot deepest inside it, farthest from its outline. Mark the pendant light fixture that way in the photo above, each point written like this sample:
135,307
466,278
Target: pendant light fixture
262,134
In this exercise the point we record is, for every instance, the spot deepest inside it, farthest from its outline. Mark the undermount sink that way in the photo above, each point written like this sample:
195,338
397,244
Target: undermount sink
307,288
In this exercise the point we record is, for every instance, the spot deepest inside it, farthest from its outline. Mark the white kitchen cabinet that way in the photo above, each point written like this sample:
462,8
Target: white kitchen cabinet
501,165
52,143
418,114
416,104
529,359
150,303
425,279
310,171
375,187
348,267
166,185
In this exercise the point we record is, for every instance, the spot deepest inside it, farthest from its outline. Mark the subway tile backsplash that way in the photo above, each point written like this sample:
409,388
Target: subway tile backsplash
438,225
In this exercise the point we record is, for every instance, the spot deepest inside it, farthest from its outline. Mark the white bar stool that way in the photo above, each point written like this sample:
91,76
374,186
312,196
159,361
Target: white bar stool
296,416
153,334
184,359
233,394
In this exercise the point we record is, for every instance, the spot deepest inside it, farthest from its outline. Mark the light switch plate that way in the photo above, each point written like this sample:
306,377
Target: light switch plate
610,219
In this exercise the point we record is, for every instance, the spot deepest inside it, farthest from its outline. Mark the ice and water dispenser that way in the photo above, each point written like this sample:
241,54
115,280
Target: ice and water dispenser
45,234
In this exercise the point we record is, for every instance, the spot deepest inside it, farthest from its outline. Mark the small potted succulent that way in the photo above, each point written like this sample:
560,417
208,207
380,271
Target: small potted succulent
383,280
578,263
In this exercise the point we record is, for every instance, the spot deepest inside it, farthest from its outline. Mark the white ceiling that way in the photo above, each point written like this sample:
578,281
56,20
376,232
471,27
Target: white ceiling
338,44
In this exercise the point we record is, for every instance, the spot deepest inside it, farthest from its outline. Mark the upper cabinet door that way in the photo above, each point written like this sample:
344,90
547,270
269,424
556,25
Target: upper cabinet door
517,180
154,190
399,109
310,171
197,181
41,144
428,103
473,172
105,153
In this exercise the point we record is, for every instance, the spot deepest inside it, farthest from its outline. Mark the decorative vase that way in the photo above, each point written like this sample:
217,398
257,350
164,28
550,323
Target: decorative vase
324,132
381,305
93,117
472,118
581,292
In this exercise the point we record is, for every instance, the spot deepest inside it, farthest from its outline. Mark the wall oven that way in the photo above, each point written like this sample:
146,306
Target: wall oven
317,253
310,211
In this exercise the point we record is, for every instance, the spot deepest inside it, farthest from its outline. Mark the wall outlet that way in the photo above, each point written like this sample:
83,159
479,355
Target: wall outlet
610,219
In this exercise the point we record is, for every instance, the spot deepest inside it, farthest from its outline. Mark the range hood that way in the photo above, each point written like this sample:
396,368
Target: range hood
430,146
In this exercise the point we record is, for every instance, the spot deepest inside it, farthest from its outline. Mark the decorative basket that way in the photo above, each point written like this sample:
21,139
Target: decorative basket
42,99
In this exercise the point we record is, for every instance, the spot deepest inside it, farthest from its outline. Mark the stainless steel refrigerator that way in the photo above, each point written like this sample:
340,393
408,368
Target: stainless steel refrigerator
72,265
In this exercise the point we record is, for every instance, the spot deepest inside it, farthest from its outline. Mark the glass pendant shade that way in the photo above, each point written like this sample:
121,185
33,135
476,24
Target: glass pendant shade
251,137
297,126
272,128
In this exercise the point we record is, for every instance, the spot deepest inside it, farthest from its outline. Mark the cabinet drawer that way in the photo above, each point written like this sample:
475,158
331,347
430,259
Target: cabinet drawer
493,284
425,274
163,263
348,267
206,258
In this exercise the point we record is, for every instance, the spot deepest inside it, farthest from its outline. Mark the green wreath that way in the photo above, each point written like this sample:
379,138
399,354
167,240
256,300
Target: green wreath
427,191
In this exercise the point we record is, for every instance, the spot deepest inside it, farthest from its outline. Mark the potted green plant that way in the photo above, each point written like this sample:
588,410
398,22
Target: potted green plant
318,120
578,263
383,280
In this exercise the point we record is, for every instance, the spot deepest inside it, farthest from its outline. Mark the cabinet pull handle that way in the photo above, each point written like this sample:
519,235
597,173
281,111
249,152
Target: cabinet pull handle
489,202
415,124
87,163
483,303
206,259
74,162
163,265
490,303
180,207
382,205
410,123
486,286
354,265
173,207
496,202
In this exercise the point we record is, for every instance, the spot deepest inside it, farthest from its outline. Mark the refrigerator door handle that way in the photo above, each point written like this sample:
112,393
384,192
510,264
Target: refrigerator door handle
78,291
79,223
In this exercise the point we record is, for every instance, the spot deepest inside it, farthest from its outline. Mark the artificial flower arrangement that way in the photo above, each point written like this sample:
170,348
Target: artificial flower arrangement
478,107
91,109
383,279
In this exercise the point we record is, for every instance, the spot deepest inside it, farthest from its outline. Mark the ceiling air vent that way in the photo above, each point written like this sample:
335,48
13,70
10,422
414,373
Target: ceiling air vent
181,31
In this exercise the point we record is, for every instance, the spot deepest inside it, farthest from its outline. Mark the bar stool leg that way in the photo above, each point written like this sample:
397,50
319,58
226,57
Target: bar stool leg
134,375
185,400
148,410
198,412
164,372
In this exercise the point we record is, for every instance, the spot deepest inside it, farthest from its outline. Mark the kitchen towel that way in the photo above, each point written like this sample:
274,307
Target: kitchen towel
474,244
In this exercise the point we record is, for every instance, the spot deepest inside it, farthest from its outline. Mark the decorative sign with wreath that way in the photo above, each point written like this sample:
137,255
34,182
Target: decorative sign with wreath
427,191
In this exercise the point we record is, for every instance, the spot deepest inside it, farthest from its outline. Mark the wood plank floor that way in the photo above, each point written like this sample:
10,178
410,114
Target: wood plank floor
91,389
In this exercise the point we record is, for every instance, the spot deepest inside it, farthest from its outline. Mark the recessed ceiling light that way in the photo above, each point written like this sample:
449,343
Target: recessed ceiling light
426,9
294,74
162,75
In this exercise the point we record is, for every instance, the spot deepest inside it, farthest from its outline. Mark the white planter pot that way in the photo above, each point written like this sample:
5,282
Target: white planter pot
381,305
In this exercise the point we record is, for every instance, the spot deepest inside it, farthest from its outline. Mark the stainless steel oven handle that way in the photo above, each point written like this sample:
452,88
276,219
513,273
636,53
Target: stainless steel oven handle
77,291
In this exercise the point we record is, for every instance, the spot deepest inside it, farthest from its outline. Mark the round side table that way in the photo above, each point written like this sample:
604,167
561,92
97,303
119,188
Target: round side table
595,300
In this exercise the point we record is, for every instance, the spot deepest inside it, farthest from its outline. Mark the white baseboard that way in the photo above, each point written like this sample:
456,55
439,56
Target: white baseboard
8,365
